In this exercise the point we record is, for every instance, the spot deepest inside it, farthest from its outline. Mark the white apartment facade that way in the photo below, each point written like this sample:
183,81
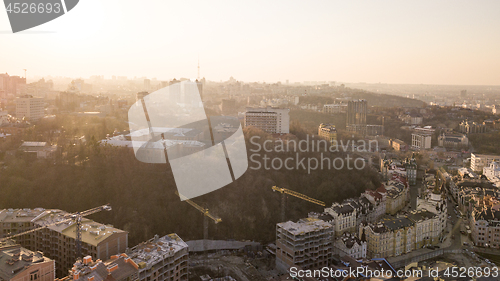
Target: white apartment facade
492,170
479,161
269,119
29,107
420,141
344,217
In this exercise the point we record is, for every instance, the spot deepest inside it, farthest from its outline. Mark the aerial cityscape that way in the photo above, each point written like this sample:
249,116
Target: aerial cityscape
127,154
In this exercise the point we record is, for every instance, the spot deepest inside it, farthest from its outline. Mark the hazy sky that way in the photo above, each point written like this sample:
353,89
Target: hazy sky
430,42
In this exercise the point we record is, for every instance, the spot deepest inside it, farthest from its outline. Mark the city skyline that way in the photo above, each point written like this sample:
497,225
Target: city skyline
445,43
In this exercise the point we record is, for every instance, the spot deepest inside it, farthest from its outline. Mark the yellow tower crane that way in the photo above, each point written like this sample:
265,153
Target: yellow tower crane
206,215
285,191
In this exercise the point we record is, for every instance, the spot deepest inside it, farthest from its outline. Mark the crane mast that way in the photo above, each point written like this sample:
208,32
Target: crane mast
206,215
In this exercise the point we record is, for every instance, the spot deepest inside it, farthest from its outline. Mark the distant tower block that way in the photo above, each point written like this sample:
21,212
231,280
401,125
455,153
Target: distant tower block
356,112
147,84
463,93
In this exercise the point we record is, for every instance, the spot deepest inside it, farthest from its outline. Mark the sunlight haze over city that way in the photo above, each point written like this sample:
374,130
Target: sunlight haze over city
450,42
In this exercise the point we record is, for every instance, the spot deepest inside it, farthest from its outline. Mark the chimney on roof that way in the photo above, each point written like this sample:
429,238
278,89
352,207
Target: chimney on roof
112,268
87,260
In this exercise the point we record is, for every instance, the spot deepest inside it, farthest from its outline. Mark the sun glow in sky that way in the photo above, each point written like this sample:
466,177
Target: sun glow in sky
430,42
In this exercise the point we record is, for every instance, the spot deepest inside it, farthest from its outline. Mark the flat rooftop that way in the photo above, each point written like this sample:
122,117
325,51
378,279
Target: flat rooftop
15,259
156,249
305,225
92,232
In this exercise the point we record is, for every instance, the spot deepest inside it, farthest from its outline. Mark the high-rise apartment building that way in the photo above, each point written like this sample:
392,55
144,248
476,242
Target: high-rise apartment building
356,116
421,141
12,84
270,119
147,84
356,112
306,244
57,241
29,107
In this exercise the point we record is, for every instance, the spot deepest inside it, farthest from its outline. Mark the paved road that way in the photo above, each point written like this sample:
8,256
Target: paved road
455,231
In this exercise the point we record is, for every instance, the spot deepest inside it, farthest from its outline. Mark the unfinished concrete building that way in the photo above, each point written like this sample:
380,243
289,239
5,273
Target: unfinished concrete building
58,241
306,243
161,259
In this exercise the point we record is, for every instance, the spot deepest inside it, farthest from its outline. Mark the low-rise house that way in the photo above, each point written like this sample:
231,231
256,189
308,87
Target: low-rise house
350,245
38,150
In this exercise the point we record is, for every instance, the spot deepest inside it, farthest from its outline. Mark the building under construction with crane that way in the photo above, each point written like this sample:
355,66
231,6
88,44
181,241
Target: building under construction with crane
57,234
158,259
306,243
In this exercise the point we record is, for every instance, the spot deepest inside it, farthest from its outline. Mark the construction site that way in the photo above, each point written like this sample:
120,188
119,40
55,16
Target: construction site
82,249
